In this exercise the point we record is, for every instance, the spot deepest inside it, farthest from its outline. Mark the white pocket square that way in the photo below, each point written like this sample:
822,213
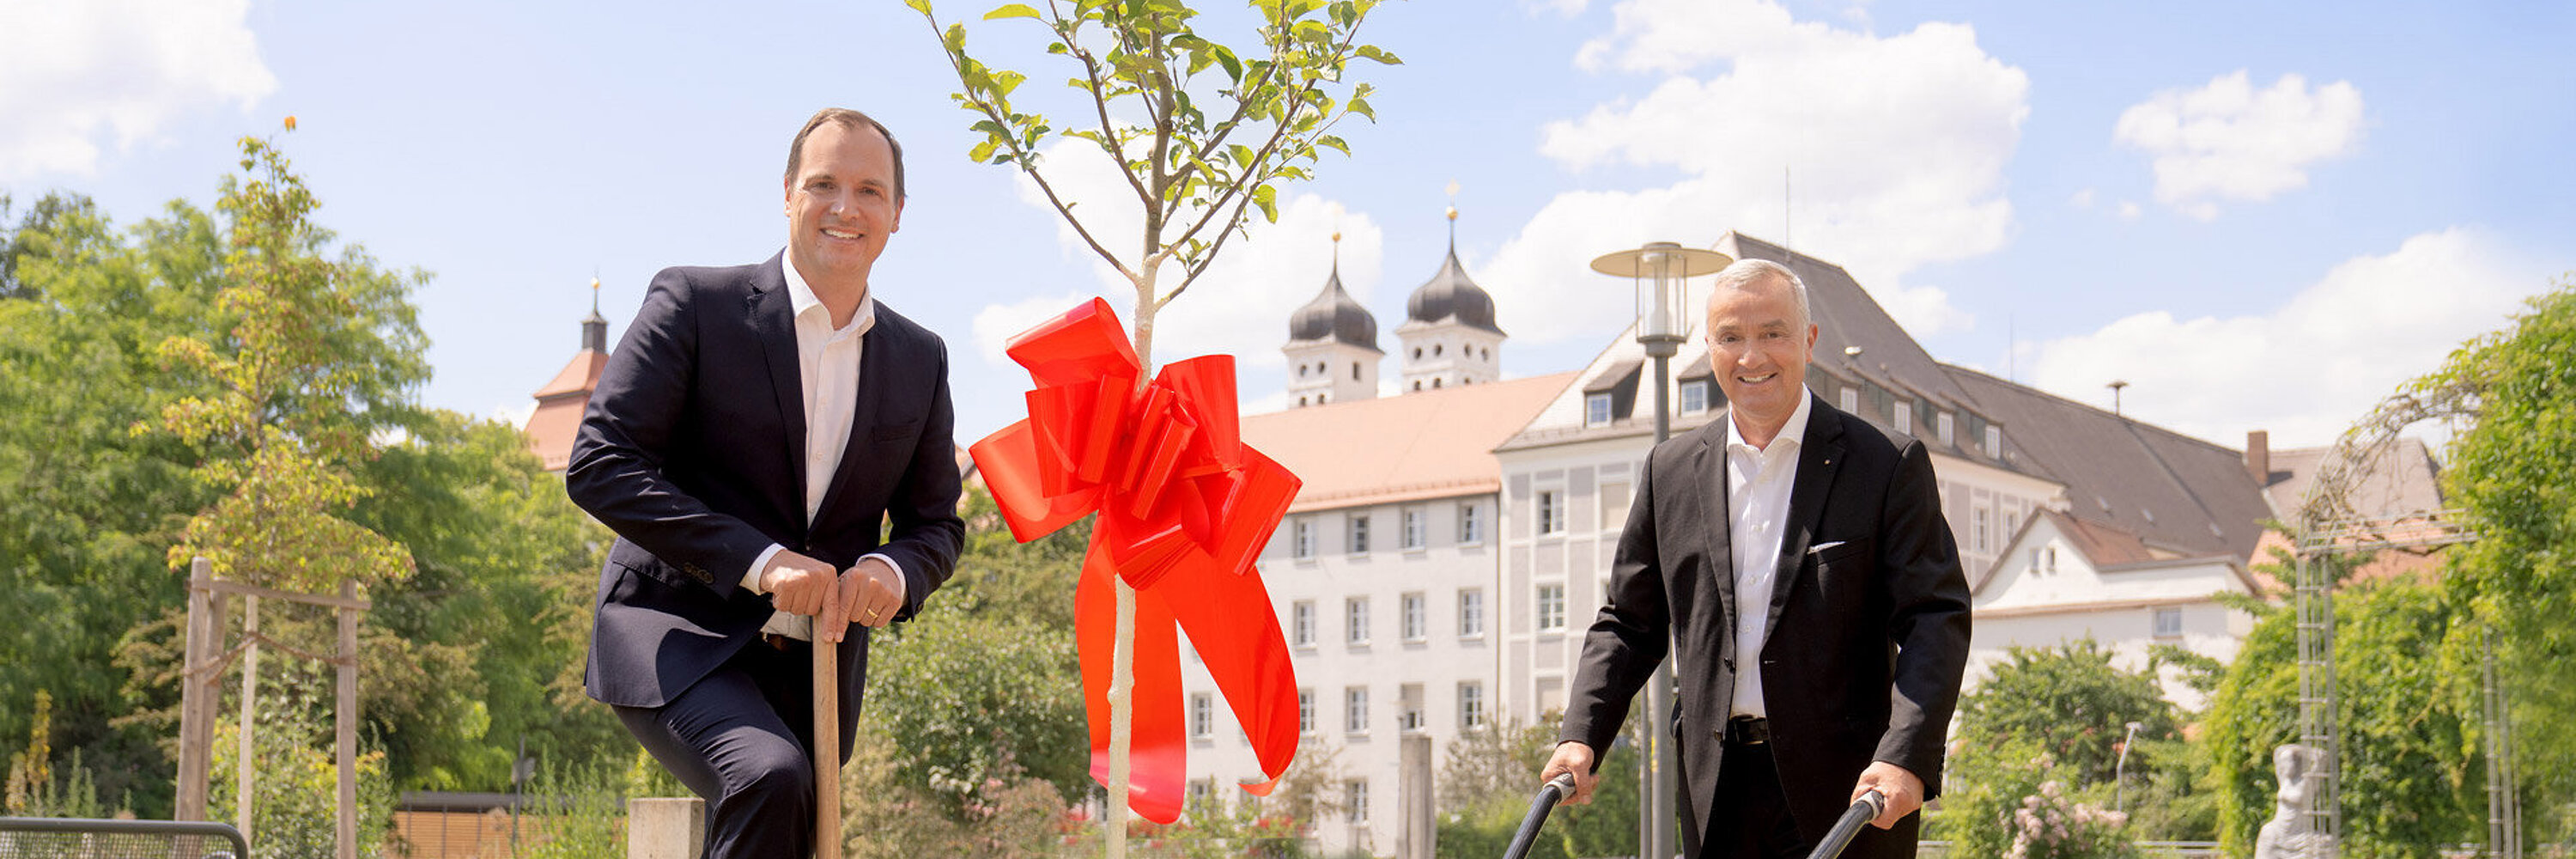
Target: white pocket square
1819,547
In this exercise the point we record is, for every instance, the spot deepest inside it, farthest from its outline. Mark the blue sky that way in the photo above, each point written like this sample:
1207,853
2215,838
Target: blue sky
2262,216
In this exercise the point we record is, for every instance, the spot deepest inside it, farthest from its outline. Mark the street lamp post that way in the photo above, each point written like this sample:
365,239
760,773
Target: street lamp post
2120,769
1658,272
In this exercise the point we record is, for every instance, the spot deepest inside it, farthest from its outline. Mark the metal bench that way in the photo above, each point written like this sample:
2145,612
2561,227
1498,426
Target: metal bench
73,838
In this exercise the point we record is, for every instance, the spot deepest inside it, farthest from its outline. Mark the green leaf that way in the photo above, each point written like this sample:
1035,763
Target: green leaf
1361,106
982,152
1242,154
921,6
1373,52
1266,198
1011,10
1005,82
1334,143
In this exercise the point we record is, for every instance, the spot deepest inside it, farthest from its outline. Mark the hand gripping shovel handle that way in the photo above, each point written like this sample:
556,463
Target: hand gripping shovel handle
1556,789
1871,804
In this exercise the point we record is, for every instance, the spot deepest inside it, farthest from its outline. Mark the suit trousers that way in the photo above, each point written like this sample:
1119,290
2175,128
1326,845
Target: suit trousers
1752,819
741,739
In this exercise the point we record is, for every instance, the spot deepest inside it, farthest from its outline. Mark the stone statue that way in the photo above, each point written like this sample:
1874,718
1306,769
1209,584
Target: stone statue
2287,835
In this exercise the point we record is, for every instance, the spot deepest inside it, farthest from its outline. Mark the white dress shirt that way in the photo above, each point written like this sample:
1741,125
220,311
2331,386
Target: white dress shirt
1758,481
827,364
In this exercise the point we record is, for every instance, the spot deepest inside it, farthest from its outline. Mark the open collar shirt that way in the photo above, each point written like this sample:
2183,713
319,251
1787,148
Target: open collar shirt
1758,481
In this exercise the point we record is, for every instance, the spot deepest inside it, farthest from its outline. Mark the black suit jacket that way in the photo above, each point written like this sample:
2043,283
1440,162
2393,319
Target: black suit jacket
1868,620
693,451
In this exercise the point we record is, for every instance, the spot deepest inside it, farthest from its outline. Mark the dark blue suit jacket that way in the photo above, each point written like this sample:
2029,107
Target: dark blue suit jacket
693,451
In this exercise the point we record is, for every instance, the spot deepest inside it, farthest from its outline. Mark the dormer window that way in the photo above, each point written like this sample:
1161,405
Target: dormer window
1694,396
1596,410
1944,424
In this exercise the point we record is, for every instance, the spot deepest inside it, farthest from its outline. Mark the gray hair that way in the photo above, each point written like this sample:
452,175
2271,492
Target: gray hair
1745,272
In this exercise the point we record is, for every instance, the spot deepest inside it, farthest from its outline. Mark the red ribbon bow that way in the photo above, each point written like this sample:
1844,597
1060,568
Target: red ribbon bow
1184,507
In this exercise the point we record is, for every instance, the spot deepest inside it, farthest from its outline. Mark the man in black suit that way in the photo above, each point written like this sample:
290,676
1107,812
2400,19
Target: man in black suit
1797,558
754,429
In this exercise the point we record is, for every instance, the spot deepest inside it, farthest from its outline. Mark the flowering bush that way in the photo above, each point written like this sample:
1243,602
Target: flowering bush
2051,825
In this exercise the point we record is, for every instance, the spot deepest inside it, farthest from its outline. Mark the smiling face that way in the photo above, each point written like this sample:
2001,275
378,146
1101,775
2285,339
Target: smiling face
842,203
1759,347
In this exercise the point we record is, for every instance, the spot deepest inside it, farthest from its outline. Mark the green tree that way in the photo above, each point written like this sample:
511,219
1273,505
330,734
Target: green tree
87,507
2070,702
2511,471
2409,779
293,407
1197,148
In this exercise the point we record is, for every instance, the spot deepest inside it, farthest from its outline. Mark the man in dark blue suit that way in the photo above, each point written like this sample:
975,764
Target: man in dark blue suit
754,432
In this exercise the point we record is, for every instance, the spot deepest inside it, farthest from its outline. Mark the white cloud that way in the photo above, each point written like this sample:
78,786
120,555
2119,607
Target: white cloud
2082,200
2129,210
1240,306
1894,148
2228,141
70,72
2308,369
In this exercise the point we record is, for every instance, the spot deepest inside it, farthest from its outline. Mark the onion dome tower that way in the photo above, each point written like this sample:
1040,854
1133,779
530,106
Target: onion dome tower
1448,337
1332,345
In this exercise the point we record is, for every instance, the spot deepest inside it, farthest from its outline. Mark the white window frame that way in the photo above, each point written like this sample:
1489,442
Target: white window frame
1471,705
1355,617
1355,710
1905,416
1416,530
1850,399
1942,424
1694,396
1358,535
1301,538
1596,410
1551,607
1417,617
1301,623
1306,712
1994,441
2161,629
1471,612
1550,517
1357,793
1978,537
1202,715
1471,524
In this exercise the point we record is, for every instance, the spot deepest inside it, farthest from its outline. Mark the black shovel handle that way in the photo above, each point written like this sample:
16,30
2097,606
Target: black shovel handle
1871,804
1556,788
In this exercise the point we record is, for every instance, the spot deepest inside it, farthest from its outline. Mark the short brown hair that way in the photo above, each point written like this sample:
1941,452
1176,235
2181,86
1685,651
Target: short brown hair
845,118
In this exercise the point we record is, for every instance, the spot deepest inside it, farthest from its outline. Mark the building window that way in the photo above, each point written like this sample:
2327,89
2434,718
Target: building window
1202,791
1471,524
2012,524
1694,396
1977,532
1994,441
1551,608
1471,612
1355,371
1359,534
1202,715
1355,613
1408,717
1614,506
1355,709
1301,538
1301,623
1596,410
1471,705
1943,422
1357,791
1905,417
2169,622
1851,399
1416,530
1417,623
1550,519
1305,712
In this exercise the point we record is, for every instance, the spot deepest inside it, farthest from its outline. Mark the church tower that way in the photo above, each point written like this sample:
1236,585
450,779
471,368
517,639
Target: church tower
1448,337
557,417
1332,346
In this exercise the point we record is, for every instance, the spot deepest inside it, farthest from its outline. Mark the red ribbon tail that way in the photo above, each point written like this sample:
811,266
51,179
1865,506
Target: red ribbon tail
1157,757
1231,625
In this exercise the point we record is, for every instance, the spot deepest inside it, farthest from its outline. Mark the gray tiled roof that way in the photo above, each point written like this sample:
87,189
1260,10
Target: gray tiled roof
2174,491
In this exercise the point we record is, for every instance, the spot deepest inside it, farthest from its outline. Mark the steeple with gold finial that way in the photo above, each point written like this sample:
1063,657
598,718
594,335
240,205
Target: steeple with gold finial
1448,337
1332,345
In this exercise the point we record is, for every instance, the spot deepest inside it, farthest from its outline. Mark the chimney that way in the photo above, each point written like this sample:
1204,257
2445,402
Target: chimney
2258,456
